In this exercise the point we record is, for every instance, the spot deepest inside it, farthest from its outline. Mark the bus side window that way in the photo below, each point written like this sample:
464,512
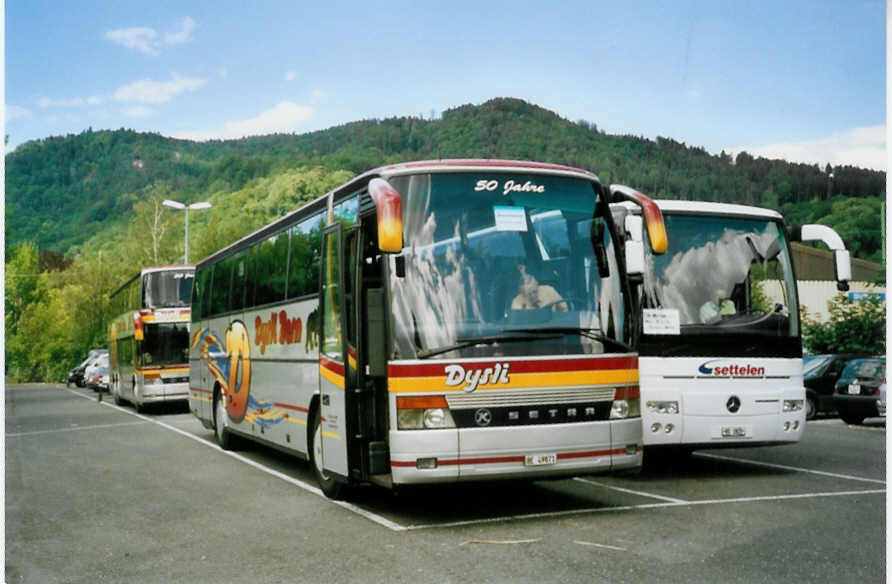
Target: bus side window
239,273
198,293
219,295
271,262
301,280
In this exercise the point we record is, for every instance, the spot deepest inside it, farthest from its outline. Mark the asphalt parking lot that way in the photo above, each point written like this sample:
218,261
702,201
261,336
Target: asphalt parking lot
98,493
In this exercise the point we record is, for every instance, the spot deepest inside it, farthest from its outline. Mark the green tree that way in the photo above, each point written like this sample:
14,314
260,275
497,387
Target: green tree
853,327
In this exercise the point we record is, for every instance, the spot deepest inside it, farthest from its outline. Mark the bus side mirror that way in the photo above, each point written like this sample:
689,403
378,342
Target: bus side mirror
634,246
842,262
656,226
389,206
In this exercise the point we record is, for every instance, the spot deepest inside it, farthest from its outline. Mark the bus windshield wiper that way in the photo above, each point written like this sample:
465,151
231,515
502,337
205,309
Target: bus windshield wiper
488,340
589,333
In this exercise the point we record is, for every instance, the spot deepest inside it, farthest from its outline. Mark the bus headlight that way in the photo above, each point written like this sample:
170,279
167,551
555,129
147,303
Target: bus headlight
626,403
793,405
419,413
437,418
663,407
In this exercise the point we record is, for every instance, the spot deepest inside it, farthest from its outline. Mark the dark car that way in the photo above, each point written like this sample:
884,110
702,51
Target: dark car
858,389
820,375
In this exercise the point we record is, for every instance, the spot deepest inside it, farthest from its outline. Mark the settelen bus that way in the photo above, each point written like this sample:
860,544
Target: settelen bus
720,343
149,339
416,325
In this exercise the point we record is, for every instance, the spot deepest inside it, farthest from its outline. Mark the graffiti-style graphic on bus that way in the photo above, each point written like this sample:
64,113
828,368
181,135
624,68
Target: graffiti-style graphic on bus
229,362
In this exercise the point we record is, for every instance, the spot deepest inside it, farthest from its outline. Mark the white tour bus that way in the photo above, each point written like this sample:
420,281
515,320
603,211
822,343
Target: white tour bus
149,339
720,344
415,325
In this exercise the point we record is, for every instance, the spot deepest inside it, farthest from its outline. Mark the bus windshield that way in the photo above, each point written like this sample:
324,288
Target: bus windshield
504,264
723,281
165,344
167,289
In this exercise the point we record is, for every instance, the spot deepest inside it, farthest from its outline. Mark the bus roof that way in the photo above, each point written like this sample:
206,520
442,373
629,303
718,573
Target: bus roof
668,207
472,164
149,269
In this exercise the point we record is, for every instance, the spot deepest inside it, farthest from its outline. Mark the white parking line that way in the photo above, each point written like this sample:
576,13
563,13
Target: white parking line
593,510
630,491
785,467
71,429
298,483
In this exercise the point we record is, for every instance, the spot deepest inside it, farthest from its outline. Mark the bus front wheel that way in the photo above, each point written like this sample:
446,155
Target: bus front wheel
221,432
331,487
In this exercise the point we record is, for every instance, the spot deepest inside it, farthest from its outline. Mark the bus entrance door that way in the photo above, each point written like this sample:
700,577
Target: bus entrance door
338,360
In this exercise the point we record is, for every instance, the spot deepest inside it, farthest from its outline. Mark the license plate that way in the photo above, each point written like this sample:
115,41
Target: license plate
733,432
540,459
854,389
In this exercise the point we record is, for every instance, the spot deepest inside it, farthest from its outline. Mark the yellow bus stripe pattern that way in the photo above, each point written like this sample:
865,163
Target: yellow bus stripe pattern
337,380
520,380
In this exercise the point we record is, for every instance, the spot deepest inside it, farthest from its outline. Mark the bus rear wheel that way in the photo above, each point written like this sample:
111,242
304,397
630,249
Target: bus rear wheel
332,488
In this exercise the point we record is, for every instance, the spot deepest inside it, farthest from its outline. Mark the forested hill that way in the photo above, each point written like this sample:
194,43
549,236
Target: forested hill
62,190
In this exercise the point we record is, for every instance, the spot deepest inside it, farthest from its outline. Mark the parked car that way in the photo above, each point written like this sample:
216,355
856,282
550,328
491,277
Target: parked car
98,379
858,389
881,402
820,374
95,365
76,375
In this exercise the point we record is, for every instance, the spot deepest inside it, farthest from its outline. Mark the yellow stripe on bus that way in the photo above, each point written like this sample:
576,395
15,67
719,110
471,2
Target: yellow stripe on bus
337,380
519,380
330,435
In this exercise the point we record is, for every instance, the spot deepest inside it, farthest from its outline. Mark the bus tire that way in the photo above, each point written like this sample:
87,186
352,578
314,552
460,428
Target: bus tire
116,391
332,488
221,431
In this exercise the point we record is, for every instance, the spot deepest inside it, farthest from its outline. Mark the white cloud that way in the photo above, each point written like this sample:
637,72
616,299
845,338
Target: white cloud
46,102
864,147
155,92
140,38
146,40
183,35
14,112
286,116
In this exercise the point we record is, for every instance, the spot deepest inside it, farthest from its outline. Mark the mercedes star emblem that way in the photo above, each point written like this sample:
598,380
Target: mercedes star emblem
733,404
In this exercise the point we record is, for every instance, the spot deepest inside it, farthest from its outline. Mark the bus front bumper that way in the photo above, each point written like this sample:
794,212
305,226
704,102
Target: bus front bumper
525,452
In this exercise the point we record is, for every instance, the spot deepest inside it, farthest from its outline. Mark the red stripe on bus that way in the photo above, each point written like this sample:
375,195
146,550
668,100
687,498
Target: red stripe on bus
200,390
504,459
549,366
332,366
291,407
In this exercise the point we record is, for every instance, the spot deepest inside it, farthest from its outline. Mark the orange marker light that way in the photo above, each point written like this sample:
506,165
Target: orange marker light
389,204
421,403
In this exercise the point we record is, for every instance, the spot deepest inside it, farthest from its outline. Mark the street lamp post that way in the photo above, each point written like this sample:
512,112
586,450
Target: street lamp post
186,208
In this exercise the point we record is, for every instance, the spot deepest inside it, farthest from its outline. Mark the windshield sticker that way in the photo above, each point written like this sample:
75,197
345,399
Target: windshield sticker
510,218
661,321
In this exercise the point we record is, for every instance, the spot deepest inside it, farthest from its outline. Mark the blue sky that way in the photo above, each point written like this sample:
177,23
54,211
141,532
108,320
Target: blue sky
800,80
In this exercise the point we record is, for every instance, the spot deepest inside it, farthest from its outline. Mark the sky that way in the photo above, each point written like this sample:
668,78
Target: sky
802,80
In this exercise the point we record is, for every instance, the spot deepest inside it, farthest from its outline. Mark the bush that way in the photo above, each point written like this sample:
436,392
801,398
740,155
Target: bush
854,327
